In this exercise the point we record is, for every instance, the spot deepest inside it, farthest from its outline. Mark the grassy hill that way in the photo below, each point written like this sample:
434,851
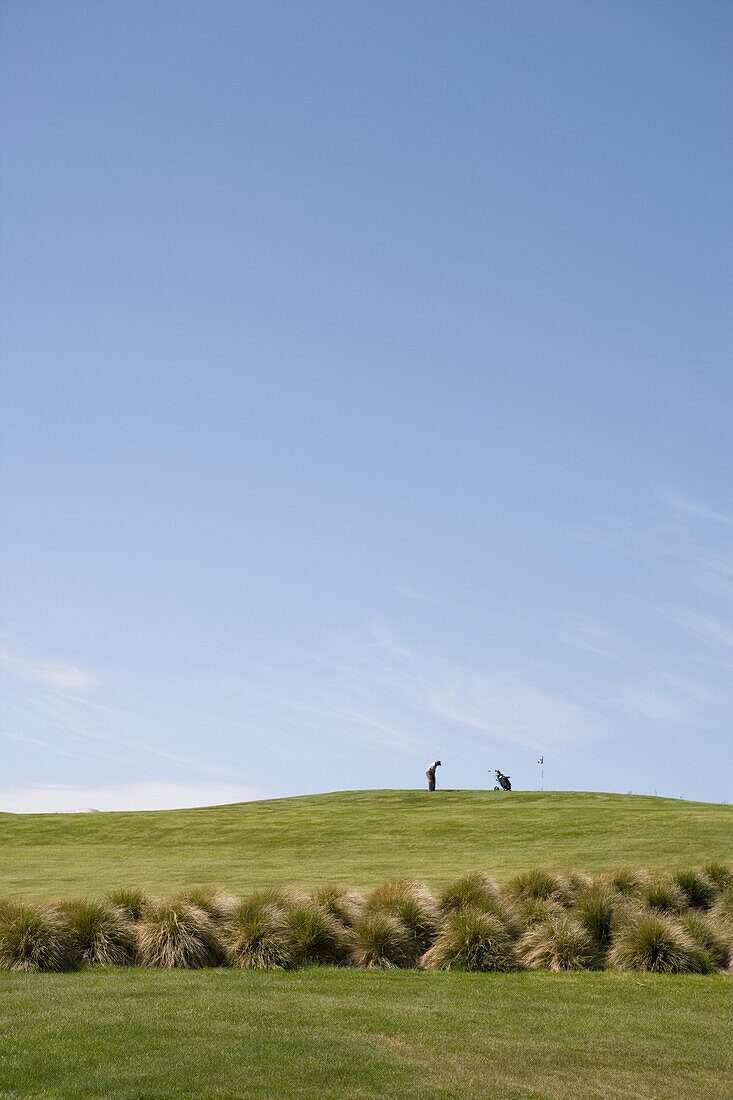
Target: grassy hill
356,837
222,1034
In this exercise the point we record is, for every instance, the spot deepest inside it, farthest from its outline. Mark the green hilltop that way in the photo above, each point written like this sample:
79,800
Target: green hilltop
356,837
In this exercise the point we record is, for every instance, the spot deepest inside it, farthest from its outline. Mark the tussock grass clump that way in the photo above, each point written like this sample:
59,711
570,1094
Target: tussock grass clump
280,897
414,905
571,885
474,889
131,900
215,902
471,939
344,905
560,943
7,906
719,874
530,911
708,937
33,938
533,885
101,934
316,936
596,910
722,909
652,941
630,882
381,942
664,895
173,934
699,891
257,937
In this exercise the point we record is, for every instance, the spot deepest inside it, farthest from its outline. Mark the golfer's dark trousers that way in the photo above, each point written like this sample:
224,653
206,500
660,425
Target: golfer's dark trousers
431,782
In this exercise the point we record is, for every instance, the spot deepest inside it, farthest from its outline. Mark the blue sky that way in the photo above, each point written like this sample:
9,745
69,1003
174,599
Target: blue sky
367,398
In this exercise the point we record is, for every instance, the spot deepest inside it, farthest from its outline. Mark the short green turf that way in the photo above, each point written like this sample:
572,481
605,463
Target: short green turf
359,838
328,1033
322,1032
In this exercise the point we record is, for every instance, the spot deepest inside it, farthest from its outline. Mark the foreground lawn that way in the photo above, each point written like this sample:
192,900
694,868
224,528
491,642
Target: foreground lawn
359,838
153,1035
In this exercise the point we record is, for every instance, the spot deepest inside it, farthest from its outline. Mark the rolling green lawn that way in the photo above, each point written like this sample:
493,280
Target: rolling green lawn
323,1032
359,838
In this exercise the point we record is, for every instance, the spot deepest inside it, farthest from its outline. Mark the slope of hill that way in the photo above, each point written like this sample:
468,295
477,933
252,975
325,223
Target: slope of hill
356,837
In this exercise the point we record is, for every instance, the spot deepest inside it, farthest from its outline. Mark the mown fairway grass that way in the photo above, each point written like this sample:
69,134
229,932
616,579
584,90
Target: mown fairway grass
323,1032
326,1032
359,838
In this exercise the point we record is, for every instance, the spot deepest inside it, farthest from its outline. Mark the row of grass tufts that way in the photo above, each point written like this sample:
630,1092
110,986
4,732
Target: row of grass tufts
631,919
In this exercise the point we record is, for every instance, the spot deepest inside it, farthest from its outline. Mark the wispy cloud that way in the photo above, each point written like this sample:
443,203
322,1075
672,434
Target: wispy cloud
712,572
69,733
434,601
383,692
501,703
696,508
686,535
49,746
655,704
66,714
672,655
59,675
583,633
507,708
51,697
713,633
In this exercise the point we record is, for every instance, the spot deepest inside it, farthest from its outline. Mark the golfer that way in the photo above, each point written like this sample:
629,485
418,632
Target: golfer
430,773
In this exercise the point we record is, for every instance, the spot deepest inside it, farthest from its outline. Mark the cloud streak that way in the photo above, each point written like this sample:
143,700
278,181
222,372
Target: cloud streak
49,698
58,675
696,508
713,633
383,693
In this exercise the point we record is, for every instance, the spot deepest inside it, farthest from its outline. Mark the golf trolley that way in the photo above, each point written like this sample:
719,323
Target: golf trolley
503,781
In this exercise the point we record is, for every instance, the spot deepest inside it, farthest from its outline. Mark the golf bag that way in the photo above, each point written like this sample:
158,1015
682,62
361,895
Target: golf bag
503,781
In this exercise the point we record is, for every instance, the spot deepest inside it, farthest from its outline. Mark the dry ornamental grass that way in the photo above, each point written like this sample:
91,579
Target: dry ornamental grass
628,920
471,940
664,895
534,885
596,911
709,937
381,942
34,938
698,889
315,935
173,934
474,889
630,882
101,934
344,905
415,907
530,911
722,908
131,900
212,900
257,937
560,943
656,943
